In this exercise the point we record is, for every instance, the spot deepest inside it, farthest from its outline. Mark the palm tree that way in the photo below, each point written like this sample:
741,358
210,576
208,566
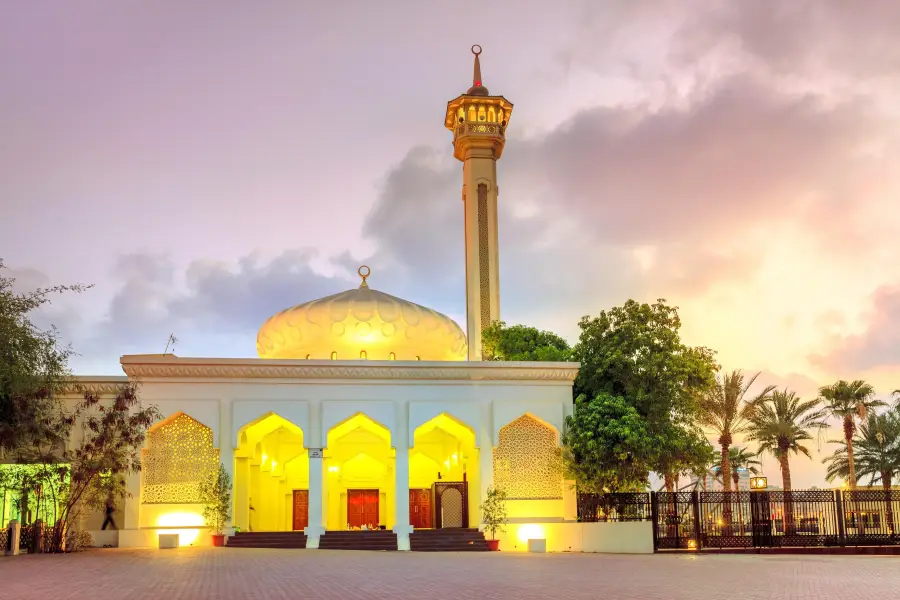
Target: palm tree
780,426
877,456
725,411
741,458
848,401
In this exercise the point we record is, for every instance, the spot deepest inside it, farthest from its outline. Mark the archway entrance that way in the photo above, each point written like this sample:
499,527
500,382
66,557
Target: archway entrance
443,462
359,463
271,483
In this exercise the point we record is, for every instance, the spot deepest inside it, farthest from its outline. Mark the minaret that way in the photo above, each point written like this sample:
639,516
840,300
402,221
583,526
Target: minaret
478,122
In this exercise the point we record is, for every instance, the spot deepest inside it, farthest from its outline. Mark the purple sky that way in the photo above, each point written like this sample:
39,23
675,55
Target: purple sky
208,164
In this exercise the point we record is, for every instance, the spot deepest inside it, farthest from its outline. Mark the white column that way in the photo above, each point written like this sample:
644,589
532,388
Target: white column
317,491
485,457
226,456
133,501
401,475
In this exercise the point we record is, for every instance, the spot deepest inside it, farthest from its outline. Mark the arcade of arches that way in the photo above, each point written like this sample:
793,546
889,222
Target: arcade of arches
361,473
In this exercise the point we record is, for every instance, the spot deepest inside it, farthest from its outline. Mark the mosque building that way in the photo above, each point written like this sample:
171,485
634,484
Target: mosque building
363,411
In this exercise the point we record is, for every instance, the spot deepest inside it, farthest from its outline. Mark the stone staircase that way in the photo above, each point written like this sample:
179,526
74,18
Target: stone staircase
358,540
447,540
267,539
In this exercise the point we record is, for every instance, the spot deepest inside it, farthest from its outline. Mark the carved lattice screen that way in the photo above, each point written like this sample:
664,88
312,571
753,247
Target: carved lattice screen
525,461
179,455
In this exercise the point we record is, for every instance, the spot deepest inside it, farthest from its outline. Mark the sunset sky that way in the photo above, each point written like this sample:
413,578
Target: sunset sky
207,164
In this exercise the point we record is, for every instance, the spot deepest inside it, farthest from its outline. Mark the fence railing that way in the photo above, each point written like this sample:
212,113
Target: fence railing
621,506
773,519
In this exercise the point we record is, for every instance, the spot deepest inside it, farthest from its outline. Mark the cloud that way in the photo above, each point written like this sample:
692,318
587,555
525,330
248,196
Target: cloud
877,346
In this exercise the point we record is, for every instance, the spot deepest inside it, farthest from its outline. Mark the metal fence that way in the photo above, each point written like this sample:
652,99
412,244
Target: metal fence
613,507
775,519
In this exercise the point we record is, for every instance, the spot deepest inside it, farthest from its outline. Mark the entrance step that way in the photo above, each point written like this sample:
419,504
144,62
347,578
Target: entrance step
447,540
358,540
267,539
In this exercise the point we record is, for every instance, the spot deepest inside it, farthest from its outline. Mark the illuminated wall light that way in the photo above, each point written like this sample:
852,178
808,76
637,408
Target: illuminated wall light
530,531
333,469
273,464
264,457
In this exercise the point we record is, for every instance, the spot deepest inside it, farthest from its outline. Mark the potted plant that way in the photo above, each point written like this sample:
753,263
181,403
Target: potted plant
215,493
493,515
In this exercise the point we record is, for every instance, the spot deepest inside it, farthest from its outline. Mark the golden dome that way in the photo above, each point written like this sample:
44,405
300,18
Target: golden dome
361,324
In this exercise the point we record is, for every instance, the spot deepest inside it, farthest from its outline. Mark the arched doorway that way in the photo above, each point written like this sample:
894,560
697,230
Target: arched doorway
359,463
443,462
271,480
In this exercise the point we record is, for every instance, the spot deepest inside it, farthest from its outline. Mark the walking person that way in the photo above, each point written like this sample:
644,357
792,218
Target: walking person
110,509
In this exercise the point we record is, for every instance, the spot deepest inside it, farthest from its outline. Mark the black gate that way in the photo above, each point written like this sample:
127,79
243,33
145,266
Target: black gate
451,504
675,520
775,519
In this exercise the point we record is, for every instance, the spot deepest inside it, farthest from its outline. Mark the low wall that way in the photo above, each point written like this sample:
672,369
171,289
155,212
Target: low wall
633,537
149,537
104,537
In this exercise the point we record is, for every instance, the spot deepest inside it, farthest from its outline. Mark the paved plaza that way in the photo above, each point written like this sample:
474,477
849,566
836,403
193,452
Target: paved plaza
200,573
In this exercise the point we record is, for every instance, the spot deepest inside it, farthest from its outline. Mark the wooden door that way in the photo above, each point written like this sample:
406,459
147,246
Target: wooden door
301,509
362,508
420,508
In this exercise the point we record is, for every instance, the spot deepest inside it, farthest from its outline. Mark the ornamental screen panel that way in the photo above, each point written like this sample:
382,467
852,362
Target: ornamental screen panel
525,461
179,455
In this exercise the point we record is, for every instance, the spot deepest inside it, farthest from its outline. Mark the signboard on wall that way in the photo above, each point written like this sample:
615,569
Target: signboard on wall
315,453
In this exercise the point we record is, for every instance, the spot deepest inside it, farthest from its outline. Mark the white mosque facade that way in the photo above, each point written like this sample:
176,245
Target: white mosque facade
365,411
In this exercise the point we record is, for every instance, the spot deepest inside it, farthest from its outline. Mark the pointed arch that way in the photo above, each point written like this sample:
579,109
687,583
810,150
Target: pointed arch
526,460
178,457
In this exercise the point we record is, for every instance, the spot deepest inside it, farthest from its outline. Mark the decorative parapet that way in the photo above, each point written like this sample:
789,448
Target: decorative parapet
168,366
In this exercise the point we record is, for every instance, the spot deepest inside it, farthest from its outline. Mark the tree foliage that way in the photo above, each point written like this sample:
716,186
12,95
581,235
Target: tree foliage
33,372
877,451
725,411
215,493
522,343
849,401
607,445
634,352
781,424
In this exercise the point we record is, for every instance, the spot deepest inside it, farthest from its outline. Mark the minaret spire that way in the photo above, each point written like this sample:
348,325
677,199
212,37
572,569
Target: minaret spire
478,122
477,88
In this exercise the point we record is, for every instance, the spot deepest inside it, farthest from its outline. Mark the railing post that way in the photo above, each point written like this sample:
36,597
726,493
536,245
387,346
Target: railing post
654,516
842,526
15,533
695,505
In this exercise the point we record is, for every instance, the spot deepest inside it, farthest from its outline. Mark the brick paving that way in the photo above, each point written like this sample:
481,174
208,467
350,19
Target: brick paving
201,573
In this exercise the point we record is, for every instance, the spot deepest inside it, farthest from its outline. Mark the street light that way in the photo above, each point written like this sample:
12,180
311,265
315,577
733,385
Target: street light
758,483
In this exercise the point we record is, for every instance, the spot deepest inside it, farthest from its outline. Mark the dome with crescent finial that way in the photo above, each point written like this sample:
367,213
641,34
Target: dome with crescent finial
361,324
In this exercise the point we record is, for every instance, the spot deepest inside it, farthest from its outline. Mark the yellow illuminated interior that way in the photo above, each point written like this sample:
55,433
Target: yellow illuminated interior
359,456
270,463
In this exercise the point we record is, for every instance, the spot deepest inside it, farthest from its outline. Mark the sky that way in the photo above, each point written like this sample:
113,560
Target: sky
207,164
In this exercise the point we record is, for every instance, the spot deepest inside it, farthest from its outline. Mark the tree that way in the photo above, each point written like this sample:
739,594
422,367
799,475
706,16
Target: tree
33,373
678,452
876,455
741,458
724,410
522,343
703,465
606,446
848,401
493,511
635,352
215,493
781,424
113,434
